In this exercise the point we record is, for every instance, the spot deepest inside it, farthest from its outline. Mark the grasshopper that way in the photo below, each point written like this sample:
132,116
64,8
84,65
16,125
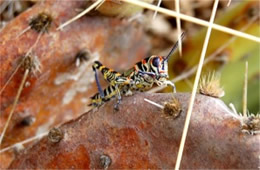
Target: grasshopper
140,77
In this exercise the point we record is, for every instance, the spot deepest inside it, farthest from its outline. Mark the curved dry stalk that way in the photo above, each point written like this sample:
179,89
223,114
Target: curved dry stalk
178,21
101,3
234,112
24,142
14,105
195,86
94,5
229,2
155,12
194,20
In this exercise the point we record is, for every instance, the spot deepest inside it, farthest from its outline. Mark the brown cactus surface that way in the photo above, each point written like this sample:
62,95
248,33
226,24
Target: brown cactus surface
140,136
61,90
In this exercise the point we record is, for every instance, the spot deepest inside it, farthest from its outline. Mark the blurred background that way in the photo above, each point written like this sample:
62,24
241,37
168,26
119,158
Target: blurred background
227,53
119,35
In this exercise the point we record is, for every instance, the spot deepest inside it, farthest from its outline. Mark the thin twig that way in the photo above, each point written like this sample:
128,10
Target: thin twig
229,2
94,5
195,86
14,105
245,91
178,21
24,142
155,12
194,20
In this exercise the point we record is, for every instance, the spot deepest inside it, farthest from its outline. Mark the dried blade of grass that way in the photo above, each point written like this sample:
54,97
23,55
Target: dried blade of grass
101,3
28,52
94,5
229,2
24,31
10,78
194,20
24,142
14,105
158,5
178,21
4,5
245,91
195,86
26,73
16,69
207,60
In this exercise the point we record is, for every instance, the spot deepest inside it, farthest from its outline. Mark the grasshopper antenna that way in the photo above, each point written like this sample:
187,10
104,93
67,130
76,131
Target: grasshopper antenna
175,46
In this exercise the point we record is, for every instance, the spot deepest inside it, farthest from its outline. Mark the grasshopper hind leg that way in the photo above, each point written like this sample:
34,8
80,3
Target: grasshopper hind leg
98,83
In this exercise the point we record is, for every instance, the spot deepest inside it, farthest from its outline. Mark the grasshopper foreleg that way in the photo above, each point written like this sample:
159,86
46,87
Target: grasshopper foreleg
168,82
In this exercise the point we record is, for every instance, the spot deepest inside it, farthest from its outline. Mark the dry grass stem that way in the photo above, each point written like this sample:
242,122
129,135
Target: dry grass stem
94,5
245,91
24,31
194,20
24,142
101,3
234,113
229,2
31,67
153,103
195,86
155,12
10,78
14,105
178,21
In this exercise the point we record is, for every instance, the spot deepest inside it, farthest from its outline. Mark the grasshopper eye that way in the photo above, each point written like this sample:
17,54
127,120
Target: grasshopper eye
156,62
